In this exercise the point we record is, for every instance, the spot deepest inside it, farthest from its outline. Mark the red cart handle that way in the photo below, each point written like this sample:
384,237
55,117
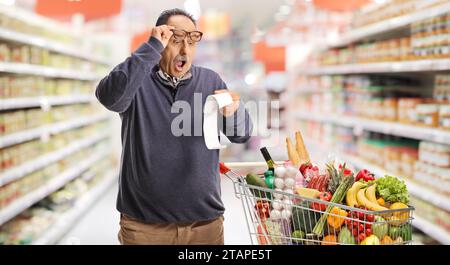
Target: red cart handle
223,169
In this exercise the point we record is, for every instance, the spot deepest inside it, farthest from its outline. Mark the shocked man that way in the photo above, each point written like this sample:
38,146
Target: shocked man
169,186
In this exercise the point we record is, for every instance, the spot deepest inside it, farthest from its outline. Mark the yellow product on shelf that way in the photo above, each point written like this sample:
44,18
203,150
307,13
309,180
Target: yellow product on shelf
428,115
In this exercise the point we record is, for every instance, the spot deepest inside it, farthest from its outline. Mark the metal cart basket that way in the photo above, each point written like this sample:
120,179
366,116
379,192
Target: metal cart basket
298,219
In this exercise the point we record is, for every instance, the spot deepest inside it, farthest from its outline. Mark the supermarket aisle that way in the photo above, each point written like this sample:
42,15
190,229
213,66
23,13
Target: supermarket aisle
99,226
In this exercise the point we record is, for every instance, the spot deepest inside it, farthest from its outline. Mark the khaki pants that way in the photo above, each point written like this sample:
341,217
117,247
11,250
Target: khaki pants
134,232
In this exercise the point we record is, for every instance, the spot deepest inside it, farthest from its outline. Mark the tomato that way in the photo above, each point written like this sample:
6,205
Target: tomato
368,231
361,216
355,232
368,226
348,222
361,228
370,217
361,237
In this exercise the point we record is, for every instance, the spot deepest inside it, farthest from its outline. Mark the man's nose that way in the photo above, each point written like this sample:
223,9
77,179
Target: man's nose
185,47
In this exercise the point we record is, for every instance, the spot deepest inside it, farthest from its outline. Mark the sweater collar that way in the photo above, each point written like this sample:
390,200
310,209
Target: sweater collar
172,81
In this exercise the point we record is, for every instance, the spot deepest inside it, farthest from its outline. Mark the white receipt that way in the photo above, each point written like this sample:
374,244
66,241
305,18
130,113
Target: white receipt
210,123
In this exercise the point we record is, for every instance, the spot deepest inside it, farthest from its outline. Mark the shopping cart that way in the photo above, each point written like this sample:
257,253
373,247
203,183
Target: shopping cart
299,217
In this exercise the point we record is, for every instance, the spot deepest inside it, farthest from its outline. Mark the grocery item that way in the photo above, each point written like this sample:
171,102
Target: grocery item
268,159
428,115
444,117
392,189
300,148
338,196
292,153
308,193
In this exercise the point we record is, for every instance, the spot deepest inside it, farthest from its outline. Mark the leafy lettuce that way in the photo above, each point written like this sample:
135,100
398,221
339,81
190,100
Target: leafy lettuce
391,189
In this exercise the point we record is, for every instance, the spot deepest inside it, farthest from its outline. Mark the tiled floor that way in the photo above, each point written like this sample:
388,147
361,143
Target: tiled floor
100,225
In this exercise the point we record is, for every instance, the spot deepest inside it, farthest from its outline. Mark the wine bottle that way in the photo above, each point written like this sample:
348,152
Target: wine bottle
268,159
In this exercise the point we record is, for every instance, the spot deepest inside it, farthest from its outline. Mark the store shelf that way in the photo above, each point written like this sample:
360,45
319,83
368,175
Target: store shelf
388,25
383,67
432,230
53,185
45,160
23,136
30,69
43,101
18,37
66,221
392,128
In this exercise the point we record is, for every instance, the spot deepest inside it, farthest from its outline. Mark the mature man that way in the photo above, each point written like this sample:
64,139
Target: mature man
169,186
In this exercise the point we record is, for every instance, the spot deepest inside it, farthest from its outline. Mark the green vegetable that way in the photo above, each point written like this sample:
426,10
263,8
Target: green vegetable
302,218
255,180
346,237
392,190
404,231
338,196
297,236
380,228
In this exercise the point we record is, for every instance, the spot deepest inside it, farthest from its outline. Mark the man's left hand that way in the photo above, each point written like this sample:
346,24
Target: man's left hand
229,110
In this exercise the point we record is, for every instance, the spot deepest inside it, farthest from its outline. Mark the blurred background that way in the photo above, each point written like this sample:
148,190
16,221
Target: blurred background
365,81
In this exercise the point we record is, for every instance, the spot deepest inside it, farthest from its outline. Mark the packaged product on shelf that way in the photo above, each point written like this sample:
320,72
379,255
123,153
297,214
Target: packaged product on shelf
444,117
435,154
407,112
21,54
5,53
428,115
432,214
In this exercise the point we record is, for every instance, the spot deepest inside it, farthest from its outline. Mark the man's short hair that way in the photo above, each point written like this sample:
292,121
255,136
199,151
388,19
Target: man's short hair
165,15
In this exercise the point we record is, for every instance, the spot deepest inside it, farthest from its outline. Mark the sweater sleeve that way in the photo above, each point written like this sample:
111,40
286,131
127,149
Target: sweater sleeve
238,127
116,91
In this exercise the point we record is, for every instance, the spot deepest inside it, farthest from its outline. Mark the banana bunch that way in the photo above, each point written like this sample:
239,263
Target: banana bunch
361,195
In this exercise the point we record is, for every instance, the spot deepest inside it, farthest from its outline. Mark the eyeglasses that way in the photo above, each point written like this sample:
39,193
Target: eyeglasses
179,35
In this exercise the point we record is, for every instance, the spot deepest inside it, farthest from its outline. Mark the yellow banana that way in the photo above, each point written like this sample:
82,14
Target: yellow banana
350,197
370,194
362,200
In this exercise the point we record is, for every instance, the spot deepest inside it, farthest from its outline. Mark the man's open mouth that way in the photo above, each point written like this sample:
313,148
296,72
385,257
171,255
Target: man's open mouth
180,63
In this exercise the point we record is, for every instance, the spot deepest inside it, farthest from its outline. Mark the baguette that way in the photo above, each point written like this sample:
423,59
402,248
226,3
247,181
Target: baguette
301,148
292,154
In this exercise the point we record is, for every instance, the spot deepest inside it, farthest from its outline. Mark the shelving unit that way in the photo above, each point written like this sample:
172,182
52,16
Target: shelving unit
63,47
44,101
394,28
57,182
392,128
38,70
55,46
384,67
66,221
45,160
46,130
431,229
387,26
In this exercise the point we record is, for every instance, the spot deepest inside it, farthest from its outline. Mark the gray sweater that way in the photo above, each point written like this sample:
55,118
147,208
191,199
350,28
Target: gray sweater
165,178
